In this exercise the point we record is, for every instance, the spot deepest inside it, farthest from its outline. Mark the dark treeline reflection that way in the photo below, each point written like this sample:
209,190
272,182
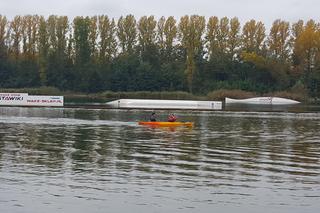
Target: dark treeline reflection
249,146
88,160
193,53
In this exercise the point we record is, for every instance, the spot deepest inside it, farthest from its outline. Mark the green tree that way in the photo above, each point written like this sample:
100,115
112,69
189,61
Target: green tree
23,32
107,49
3,35
107,44
279,40
296,30
127,33
82,51
170,34
58,74
93,35
5,72
191,30
166,37
30,26
305,46
253,36
147,33
82,46
222,35
212,37
148,49
160,33
43,50
234,38
307,54
15,37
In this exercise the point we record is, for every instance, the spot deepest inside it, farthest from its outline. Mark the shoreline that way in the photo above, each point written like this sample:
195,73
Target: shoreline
103,97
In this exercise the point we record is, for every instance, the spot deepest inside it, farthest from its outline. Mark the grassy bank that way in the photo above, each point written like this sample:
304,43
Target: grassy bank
177,95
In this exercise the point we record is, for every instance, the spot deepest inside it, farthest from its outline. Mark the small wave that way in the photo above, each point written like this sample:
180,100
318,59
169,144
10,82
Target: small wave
63,121
286,115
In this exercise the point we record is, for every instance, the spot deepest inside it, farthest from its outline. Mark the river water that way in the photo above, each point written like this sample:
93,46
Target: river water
99,160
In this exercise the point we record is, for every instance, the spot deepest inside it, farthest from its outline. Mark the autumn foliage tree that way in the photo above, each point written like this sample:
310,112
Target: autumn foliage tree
191,36
192,53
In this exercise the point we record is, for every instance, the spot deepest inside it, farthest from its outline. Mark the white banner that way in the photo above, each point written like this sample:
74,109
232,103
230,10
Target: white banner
13,99
33,100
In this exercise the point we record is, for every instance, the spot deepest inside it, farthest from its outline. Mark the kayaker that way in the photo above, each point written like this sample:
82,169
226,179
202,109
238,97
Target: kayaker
172,118
153,116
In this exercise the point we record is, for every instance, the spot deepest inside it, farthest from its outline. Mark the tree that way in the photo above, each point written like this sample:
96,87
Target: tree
307,54
15,37
253,36
160,33
3,35
190,32
23,31
43,50
212,37
58,30
296,30
166,36
147,33
279,40
107,48
305,47
30,25
234,39
82,45
148,49
127,33
107,44
92,37
5,73
99,53
170,34
222,35
83,52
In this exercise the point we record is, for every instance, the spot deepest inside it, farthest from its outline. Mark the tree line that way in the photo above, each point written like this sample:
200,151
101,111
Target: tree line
195,54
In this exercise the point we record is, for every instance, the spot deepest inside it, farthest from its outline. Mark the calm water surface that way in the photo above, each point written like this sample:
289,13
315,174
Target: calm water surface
90,160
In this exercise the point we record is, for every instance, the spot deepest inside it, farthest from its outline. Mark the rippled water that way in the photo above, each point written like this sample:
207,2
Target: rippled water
84,160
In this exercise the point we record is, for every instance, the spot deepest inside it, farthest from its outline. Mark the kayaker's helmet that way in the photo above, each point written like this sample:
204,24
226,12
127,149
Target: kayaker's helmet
172,117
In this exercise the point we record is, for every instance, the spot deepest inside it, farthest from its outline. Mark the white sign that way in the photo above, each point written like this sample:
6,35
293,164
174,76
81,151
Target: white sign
33,100
13,99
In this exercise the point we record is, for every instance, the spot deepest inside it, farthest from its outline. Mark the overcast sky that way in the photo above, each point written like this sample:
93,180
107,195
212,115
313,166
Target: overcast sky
264,10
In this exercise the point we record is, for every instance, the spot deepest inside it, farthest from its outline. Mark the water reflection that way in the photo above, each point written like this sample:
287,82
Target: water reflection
88,158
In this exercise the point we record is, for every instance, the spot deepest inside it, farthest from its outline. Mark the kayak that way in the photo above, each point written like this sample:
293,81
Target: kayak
165,123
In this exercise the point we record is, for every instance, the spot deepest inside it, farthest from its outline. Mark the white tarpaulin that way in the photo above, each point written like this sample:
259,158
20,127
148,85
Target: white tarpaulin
262,101
165,104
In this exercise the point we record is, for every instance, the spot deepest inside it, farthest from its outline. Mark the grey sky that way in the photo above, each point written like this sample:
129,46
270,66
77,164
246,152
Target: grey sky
264,10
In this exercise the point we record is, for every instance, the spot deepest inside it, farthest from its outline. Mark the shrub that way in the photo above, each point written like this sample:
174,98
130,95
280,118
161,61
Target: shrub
34,91
222,94
178,95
